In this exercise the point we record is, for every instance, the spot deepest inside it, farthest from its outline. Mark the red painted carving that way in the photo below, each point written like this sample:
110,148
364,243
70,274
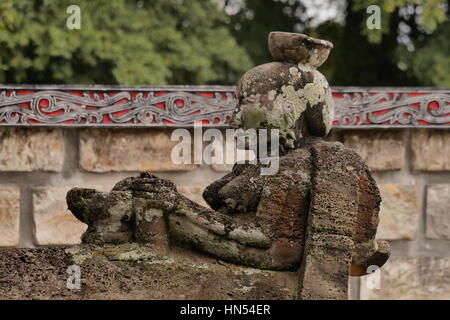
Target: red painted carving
212,106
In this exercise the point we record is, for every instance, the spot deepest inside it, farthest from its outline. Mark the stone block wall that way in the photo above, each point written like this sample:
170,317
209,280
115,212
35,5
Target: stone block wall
412,167
412,170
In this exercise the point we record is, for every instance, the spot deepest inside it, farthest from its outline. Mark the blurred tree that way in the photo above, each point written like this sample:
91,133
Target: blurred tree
254,19
411,48
431,61
127,42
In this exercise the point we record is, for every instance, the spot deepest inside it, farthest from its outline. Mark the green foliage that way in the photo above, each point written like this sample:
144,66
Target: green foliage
155,42
127,42
410,49
427,61
431,63
429,16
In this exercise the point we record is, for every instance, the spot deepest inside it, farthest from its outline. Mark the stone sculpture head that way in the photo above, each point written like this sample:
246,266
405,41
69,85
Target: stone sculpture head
288,94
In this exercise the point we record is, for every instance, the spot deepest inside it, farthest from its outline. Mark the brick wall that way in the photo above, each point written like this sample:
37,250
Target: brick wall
412,167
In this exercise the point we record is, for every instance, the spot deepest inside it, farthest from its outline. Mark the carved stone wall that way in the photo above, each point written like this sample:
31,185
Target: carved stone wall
99,106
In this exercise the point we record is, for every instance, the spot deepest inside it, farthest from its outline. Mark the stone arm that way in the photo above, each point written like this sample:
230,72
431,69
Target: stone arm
237,192
128,213
368,251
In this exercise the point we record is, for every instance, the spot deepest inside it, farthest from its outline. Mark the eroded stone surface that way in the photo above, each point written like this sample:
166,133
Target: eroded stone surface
342,223
117,216
133,271
431,150
399,212
260,221
9,216
438,211
317,214
410,279
381,150
298,48
31,149
103,150
295,99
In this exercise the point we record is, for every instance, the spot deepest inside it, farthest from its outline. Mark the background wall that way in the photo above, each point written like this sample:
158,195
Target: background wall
412,166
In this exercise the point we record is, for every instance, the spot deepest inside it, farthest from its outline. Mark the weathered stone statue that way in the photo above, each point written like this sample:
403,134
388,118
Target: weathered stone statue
317,215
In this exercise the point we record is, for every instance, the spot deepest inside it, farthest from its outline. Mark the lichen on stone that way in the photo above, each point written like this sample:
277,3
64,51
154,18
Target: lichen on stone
317,214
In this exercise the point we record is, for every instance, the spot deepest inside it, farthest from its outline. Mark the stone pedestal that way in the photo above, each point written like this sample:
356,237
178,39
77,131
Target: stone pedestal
133,271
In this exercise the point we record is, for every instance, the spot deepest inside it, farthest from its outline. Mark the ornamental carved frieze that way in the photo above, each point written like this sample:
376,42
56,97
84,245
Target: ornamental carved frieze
179,106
